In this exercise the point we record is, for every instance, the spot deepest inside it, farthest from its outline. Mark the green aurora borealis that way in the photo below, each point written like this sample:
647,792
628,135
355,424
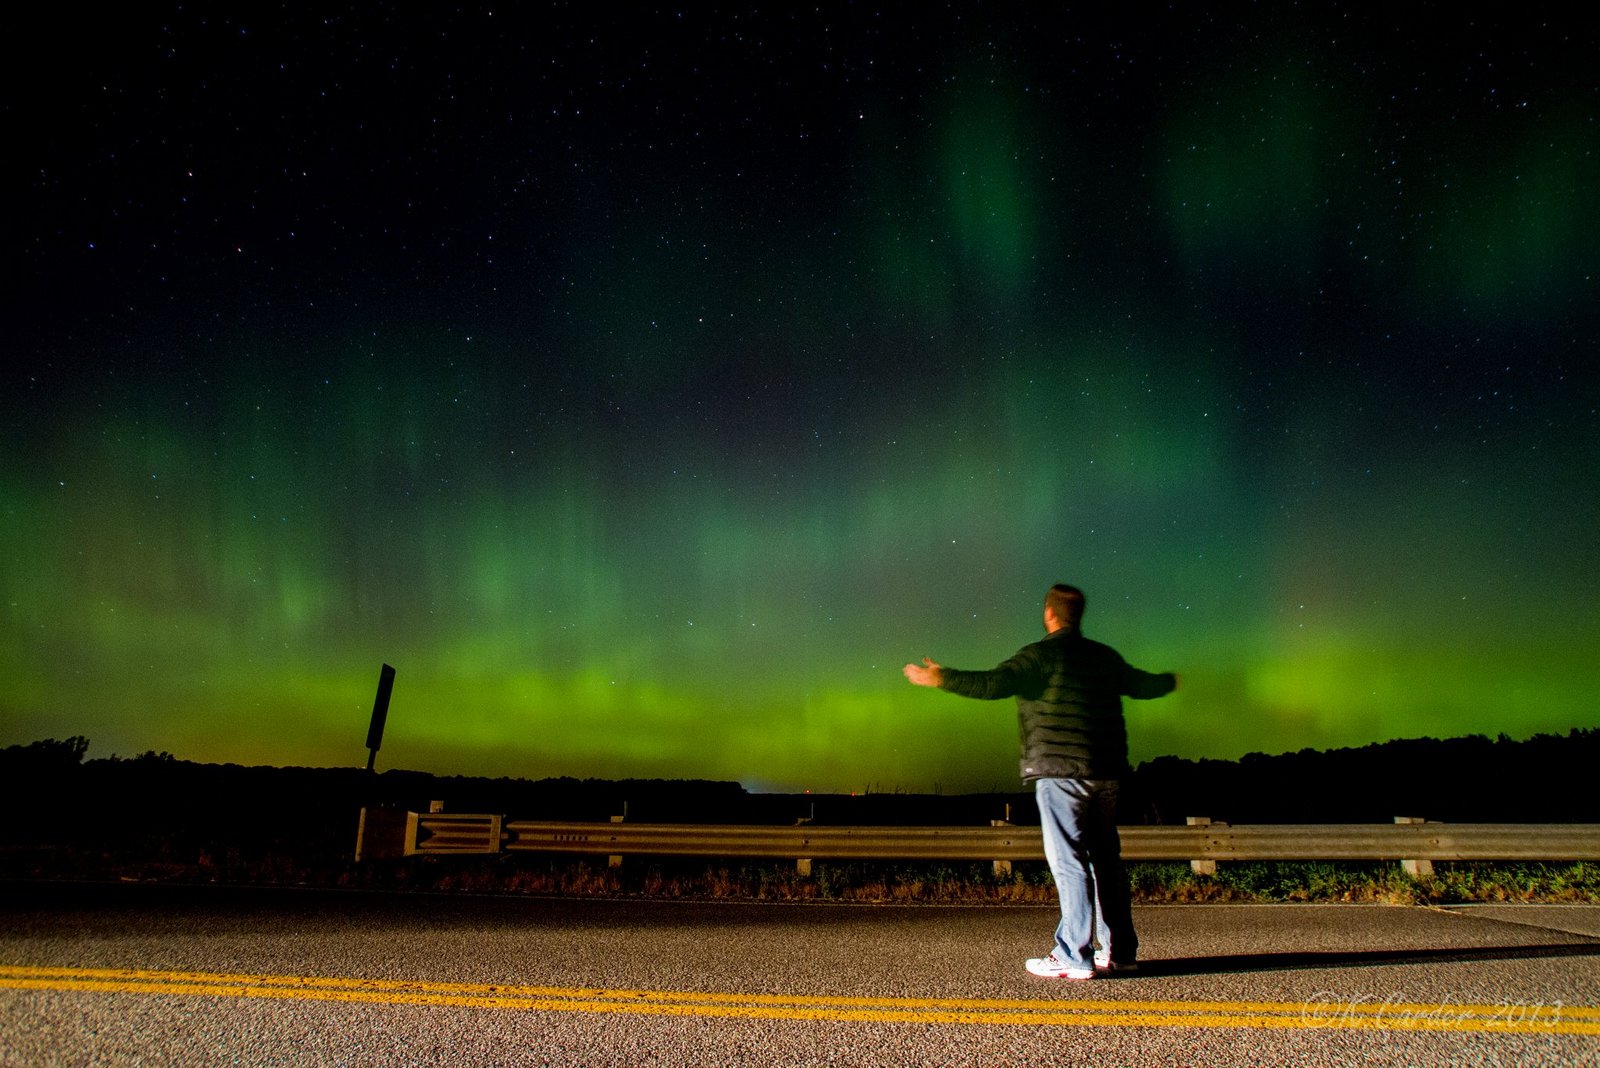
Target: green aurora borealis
647,403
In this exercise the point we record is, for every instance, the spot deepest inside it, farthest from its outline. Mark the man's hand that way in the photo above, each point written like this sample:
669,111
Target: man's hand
926,673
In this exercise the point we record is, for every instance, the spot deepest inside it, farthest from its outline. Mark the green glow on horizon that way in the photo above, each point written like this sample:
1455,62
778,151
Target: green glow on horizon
236,606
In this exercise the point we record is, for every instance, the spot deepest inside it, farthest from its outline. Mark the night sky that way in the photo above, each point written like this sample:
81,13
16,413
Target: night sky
647,386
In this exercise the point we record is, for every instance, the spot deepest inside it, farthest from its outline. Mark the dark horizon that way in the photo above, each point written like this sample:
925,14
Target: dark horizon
1420,777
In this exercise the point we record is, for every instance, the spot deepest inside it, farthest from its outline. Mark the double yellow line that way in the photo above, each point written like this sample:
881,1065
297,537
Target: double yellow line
1321,1012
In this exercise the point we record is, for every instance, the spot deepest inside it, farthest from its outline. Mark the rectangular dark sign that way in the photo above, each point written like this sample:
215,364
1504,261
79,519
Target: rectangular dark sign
380,713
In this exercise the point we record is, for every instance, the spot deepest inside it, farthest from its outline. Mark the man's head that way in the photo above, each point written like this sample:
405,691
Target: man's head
1063,607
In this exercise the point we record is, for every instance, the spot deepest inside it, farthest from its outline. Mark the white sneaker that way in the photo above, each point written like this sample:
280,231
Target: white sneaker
1103,961
1053,967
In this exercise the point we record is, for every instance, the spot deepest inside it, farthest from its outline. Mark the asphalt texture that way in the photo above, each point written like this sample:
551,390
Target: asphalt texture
148,974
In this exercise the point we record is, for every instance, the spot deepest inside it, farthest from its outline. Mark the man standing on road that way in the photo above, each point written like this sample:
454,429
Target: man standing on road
1069,694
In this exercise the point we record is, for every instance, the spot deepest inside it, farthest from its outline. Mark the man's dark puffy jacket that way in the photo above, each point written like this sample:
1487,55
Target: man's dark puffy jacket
1069,693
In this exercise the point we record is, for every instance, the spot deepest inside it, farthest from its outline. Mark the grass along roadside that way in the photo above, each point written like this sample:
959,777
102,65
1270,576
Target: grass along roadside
927,882
977,884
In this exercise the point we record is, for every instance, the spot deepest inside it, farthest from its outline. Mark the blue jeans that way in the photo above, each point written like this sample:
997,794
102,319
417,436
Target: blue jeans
1079,820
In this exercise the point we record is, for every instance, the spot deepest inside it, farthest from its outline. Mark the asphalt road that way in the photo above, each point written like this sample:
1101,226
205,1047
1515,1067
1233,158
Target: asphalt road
151,975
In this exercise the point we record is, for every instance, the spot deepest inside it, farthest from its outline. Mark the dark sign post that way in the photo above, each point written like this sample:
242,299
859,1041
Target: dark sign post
380,712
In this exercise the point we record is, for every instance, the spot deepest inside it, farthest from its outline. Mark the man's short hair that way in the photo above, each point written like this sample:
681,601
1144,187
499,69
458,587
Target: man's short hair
1066,603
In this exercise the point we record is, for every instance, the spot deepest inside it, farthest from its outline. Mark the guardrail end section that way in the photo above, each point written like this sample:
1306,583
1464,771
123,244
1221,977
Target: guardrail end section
384,833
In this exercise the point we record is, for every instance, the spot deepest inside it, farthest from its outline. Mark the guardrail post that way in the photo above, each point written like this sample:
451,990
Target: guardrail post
1002,867
1415,868
615,859
1198,866
802,865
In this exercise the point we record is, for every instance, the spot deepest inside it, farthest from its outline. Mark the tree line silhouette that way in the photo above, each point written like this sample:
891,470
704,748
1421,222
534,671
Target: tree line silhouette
1547,778
155,802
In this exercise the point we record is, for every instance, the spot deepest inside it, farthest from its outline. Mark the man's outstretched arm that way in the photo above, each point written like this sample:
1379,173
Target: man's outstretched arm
1144,685
1009,679
926,673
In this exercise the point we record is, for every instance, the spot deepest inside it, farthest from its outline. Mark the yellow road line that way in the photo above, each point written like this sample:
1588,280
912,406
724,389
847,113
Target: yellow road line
1367,1015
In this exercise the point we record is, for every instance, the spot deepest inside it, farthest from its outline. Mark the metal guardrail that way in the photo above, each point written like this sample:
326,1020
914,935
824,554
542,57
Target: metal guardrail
1431,841
454,832
1203,843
